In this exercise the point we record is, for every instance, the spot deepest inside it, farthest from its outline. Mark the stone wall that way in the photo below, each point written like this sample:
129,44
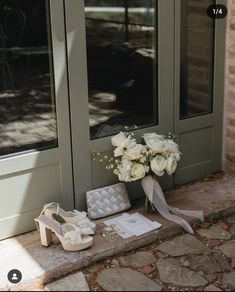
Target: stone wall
229,105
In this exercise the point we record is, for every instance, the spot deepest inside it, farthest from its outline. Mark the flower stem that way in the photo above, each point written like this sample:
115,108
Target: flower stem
148,206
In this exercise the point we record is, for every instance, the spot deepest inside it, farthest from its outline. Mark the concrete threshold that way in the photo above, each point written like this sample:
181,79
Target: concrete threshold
215,195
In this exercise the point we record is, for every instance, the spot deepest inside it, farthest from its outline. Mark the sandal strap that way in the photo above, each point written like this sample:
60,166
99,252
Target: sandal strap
52,204
74,227
36,223
74,235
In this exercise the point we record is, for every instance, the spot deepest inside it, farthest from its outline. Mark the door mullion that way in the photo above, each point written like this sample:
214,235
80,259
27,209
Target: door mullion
77,71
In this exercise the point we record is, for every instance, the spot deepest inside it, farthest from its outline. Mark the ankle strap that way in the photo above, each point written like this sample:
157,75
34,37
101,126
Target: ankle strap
52,204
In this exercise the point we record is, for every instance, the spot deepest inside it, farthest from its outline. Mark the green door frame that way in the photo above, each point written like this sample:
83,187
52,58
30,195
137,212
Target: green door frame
205,131
89,174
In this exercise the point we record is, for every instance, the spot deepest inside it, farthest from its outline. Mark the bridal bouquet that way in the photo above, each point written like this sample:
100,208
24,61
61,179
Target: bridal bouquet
132,161
155,156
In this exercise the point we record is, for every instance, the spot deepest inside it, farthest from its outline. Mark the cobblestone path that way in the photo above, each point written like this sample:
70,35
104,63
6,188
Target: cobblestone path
204,262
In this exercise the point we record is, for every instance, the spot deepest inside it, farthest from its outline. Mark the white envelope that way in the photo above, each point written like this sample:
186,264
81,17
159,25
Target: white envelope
128,225
137,224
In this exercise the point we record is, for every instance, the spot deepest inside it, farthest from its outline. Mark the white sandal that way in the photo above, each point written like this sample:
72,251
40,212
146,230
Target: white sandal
69,235
75,217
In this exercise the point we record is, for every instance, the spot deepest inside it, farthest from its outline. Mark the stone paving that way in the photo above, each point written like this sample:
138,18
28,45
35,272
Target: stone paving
195,259
183,263
74,282
27,121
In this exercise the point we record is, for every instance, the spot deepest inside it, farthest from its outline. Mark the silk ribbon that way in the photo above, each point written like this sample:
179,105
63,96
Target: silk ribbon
156,196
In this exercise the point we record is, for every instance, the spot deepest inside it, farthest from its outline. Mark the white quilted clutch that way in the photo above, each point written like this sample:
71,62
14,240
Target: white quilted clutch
106,201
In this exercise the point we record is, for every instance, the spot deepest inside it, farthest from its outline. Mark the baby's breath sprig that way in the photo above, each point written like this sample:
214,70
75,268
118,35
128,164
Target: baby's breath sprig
110,162
127,130
173,137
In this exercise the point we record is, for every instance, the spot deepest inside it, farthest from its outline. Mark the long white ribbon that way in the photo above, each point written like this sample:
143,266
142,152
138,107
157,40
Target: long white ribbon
155,195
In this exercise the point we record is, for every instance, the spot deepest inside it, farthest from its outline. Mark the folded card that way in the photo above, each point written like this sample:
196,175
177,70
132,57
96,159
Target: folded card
128,225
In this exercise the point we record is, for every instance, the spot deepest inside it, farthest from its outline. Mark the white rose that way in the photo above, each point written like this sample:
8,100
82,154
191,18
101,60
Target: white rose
158,165
176,155
171,146
119,151
171,164
120,140
157,146
155,142
151,136
124,170
137,171
134,152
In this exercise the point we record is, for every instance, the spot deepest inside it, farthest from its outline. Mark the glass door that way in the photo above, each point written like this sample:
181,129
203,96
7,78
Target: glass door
122,49
199,88
157,65
35,157
121,74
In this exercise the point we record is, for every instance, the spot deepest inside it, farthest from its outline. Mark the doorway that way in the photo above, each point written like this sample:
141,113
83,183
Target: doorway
157,65
97,67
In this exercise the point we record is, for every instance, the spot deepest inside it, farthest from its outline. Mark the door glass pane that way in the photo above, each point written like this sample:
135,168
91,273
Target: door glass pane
121,56
197,53
27,105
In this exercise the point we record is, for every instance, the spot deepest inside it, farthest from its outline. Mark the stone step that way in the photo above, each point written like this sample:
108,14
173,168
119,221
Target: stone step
40,265
74,282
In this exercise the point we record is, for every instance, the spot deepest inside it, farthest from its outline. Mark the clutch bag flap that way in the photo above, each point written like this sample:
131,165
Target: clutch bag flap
107,201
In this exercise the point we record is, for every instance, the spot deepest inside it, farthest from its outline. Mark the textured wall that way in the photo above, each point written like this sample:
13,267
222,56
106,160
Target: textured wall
229,106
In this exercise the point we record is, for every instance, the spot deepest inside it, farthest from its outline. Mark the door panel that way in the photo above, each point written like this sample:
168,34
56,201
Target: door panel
198,89
202,142
102,84
34,188
197,32
121,60
93,92
35,168
163,104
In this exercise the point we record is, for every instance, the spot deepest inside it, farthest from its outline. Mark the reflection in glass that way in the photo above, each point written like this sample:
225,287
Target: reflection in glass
197,53
121,57
27,107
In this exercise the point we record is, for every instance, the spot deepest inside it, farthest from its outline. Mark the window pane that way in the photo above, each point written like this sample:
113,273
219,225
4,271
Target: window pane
104,10
197,53
121,57
27,106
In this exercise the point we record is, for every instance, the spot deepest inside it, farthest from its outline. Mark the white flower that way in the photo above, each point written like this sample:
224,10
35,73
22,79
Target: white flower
176,156
171,164
155,142
138,171
158,165
123,170
171,146
157,146
151,136
134,152
119,151
133,159
121,140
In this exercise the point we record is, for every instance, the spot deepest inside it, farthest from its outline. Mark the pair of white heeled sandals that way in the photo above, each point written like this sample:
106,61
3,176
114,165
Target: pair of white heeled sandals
75,232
